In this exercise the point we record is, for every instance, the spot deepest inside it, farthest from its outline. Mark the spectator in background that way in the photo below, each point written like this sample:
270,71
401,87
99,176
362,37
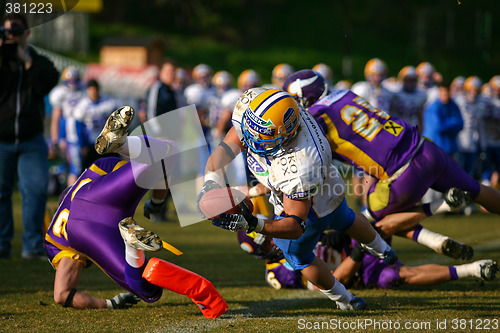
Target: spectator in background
427,81
246,80
65,131
443,121
279,75
160,99
490,135
25,78
222,82
408,102
199,93
471,107
457,87
93,110
179,84
327,73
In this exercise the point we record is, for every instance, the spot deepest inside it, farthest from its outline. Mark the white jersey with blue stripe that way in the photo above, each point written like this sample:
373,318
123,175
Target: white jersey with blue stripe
303,169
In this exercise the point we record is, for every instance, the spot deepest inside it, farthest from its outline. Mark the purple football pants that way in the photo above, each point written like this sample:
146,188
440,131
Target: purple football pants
432,168
93,225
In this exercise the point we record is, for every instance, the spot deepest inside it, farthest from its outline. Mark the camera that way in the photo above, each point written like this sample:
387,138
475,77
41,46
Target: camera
9,47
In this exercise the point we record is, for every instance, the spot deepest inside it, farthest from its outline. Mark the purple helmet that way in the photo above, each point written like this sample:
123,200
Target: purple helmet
260,246
306,86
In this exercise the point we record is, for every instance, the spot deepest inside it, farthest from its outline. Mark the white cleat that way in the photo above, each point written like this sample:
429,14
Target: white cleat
487,269
114,133
137,237
457,199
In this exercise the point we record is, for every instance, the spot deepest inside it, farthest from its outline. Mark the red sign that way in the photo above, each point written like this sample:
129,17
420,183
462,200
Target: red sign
122,81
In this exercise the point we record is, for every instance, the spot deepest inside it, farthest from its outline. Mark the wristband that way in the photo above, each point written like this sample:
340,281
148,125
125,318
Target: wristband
260,225
213,176
253,192
110,304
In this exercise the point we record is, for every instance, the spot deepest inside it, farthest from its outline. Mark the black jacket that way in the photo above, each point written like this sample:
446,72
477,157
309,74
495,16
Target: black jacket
22,108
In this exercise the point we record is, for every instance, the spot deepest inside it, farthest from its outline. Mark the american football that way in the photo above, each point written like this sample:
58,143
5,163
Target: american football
223,200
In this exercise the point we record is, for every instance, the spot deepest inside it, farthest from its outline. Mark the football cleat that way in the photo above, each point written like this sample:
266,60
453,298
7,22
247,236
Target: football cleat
457,198
456,250
389,256
137,237
488,269
356,304
114,133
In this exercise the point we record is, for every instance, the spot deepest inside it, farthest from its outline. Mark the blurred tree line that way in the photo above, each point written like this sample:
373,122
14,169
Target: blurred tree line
460,37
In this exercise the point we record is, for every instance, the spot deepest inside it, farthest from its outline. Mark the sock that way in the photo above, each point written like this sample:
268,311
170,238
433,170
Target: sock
130,147
429,238
148,150
134,257
377,246
468,270
438,207
157,201
416,232
338,293
453,273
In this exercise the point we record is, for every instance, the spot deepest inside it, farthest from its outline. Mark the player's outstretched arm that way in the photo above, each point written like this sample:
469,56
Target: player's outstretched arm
290,227
229,148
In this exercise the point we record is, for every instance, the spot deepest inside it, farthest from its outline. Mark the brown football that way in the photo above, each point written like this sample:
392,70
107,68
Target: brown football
223,200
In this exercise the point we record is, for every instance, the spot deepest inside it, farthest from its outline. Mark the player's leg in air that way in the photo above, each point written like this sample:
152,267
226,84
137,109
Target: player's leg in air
394,204
100,228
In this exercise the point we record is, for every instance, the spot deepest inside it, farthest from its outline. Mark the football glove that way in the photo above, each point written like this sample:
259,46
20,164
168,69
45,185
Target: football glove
124,300
151,208
208,186
237,222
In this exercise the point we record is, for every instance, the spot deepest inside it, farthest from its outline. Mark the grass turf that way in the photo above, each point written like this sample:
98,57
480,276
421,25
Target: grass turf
26,303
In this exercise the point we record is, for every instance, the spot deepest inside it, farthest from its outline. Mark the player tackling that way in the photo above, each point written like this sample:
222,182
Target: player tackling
94,224
288,153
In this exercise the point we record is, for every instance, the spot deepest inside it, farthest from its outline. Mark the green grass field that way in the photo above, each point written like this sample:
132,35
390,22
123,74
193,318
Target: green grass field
26,303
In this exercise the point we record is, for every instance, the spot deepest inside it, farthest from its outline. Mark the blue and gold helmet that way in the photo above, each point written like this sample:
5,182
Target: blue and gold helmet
270,121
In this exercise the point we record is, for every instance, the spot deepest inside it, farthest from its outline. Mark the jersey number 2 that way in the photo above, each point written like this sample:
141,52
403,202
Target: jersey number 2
362,124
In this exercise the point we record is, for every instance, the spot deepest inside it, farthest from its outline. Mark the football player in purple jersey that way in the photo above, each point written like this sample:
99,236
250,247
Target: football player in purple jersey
94,224
354,267
404,163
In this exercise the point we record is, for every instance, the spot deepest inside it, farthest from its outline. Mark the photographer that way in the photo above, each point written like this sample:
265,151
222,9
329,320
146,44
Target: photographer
25,78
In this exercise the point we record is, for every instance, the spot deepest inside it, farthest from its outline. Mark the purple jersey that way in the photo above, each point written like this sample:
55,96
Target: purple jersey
86,224
281,275
355,127
376,273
